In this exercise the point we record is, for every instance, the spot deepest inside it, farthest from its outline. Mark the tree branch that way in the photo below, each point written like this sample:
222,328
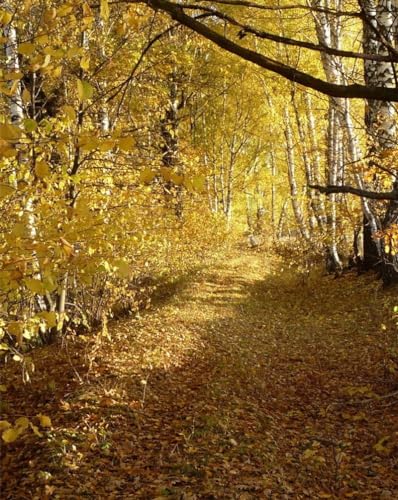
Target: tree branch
253,5
318,47
363,193
288,72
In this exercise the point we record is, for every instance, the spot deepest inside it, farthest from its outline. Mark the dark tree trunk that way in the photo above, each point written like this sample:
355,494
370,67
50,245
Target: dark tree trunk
371,256
169,128
389,270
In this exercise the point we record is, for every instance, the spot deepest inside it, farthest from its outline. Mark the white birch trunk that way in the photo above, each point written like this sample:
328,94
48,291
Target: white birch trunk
12,64
290,157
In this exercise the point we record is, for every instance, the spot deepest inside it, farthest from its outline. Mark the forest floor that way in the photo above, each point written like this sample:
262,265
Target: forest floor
249,382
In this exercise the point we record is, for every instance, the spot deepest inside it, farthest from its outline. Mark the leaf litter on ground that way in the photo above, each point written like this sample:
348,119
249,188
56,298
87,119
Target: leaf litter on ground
244,384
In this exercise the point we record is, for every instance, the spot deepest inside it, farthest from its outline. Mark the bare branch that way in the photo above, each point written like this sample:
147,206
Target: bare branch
363,193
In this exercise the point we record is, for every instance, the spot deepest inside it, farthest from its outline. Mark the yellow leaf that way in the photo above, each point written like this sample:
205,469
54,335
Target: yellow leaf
26,97
44,420
126,143
104,9
13,75
5,190
69,112
50,318
45,63
26,48
3,388
4,424
106,145
199,183
85,63
9,132
121,29
42,169
15,328
21,424
5,17
177,179
30,125
90,143
41,39
147,175
67,247
35,429
57,72
8,153
64,10
74,51
123,268
35,286
4,89
55,53
50,15
87,10
10,435
84,90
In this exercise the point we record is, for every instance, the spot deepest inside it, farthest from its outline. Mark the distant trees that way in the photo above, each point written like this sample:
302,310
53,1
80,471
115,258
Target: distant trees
339,52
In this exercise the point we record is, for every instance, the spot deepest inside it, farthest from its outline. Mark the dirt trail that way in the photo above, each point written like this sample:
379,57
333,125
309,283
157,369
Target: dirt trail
243,385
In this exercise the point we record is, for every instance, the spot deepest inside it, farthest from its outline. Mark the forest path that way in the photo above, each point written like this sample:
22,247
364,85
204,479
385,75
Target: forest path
239,386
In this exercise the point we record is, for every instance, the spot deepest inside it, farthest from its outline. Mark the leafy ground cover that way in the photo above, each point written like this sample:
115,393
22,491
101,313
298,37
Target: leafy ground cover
249,382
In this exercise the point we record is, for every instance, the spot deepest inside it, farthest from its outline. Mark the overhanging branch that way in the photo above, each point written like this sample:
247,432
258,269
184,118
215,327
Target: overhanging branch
288,72
318,47
363,193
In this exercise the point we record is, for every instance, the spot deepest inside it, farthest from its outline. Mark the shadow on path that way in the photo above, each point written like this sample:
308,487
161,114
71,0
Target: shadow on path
240,386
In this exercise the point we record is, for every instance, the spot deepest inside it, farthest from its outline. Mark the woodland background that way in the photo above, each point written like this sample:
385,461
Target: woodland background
141,141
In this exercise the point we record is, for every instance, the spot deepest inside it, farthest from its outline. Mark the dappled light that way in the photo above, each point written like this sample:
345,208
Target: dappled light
239,385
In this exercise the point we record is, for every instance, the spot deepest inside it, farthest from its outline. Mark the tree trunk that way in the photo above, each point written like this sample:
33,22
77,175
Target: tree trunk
381,125
169,133
292,178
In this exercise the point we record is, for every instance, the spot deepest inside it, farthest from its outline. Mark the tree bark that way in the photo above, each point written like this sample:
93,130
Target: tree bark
290,157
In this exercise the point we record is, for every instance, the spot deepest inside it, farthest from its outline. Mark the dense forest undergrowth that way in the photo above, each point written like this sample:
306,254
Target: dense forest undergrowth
248,381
